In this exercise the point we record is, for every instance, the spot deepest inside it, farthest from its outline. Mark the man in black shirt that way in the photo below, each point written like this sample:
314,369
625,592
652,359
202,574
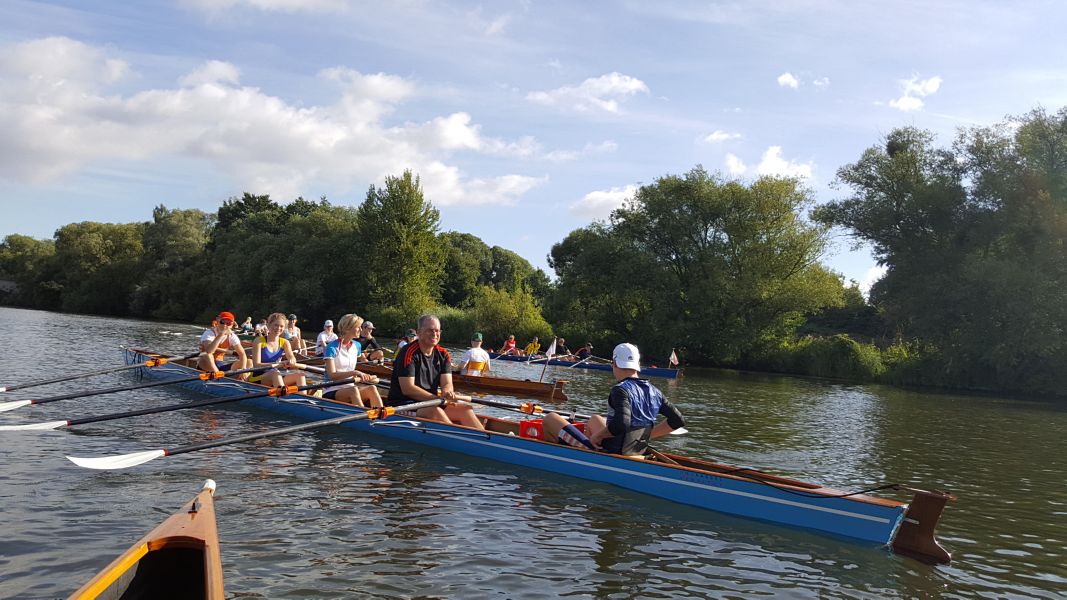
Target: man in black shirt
372,350
423,371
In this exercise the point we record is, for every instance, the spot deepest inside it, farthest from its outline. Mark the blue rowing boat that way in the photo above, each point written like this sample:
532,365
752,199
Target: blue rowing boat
906,527
578,364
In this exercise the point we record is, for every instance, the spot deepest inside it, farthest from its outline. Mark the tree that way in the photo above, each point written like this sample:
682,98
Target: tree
716,266
398,240
467,259
973,240
100,265
175,264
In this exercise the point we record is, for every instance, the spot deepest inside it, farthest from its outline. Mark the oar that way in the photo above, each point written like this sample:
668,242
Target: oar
278,391
530,408
571,366
149,363
122,461
205,376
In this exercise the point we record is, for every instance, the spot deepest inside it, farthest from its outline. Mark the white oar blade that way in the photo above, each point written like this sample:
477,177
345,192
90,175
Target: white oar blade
34,426
120,461
6,406
680,431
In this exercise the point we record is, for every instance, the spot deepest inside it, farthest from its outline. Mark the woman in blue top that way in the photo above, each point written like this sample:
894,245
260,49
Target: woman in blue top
273,348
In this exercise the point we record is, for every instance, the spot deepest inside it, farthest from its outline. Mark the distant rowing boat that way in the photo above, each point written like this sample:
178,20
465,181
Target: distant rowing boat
550,391
578,364
907,527
178,559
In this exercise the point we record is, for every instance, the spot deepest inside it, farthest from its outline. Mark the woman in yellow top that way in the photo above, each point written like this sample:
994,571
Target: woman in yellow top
533,347
273,348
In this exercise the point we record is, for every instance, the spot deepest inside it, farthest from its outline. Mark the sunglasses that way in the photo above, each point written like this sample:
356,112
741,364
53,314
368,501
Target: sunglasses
225,322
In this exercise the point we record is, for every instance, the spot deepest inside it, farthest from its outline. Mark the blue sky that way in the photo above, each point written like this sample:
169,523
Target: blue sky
525,120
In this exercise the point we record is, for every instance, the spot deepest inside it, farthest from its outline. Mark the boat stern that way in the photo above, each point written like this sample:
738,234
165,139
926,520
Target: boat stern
916,536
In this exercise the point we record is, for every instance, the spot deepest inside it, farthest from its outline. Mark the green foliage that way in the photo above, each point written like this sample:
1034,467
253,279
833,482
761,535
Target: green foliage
398,240
973,241
100,265
837,356
715,267
467,260
498,313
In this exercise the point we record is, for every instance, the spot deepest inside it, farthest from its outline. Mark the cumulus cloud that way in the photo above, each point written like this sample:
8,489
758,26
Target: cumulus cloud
599,204
915,90
592,95
821,82
788,80
720,136
870,278
734,165
59,116
772,163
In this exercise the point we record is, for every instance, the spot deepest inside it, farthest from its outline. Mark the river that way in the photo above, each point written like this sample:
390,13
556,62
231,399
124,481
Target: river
336,514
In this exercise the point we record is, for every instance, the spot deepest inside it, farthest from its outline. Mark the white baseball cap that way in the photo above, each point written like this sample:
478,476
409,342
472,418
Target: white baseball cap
328,323
626,356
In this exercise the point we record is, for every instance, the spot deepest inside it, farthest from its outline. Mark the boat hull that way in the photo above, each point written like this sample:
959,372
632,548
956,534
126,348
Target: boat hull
703,484
645,371
180,558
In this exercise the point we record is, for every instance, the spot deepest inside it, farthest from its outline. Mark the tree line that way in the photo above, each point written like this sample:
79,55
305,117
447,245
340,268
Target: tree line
725,271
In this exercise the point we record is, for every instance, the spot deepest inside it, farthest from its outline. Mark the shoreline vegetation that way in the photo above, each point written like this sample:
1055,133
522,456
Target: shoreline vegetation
725,271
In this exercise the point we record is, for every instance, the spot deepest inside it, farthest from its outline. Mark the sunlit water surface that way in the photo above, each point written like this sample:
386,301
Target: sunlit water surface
337,514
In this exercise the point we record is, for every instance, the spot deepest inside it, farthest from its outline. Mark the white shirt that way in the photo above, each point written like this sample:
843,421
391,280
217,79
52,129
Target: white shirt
474,355
323,339
344,359
209,336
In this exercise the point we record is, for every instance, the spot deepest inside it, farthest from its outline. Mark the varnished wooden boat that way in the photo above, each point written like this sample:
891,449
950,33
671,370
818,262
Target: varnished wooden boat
650,371
550,391
178,559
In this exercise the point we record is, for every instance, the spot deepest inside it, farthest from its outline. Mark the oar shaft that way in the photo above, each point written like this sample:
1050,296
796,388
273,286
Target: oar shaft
22,386
207,402
371,413
206,376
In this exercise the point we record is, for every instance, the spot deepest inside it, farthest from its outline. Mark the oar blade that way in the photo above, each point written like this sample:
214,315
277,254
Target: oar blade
12,405
34,426
680,431
119,461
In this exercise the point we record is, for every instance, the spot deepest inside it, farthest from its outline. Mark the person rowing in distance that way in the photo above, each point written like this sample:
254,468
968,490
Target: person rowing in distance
585,351
532,348
372,350
423,371
273,348
475,361
408,337
216,342
325,337
294,335
562,352
340,359
634,405
509,347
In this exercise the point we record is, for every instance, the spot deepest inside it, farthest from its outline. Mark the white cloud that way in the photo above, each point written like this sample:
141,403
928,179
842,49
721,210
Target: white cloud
914,90
734,165
720,136
772,163
870,278
788,80
822,82
59,117
215,7
594,94
599,204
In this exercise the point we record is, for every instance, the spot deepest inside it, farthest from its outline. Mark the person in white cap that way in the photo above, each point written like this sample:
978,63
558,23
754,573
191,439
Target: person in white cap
325,337
634,405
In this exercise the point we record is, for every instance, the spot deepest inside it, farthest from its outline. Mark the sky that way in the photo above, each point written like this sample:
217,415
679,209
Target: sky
525,120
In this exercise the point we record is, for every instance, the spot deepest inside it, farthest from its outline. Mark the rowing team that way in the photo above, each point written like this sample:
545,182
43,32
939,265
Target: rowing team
422,371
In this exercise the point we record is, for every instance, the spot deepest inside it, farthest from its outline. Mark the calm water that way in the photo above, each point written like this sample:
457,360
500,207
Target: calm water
335,514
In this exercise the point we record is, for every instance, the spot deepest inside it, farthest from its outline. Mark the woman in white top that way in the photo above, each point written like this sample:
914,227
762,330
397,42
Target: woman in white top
325,337
340,360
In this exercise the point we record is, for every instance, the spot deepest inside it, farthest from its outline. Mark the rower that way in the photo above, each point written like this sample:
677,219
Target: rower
423,371
562,352
408,337
585,351
509,346
294,335
372,350
273,348
475,361
633,406
325,337
340,359
533,347
216,341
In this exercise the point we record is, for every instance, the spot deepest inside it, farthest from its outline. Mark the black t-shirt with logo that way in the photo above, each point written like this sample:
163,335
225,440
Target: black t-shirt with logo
426,370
